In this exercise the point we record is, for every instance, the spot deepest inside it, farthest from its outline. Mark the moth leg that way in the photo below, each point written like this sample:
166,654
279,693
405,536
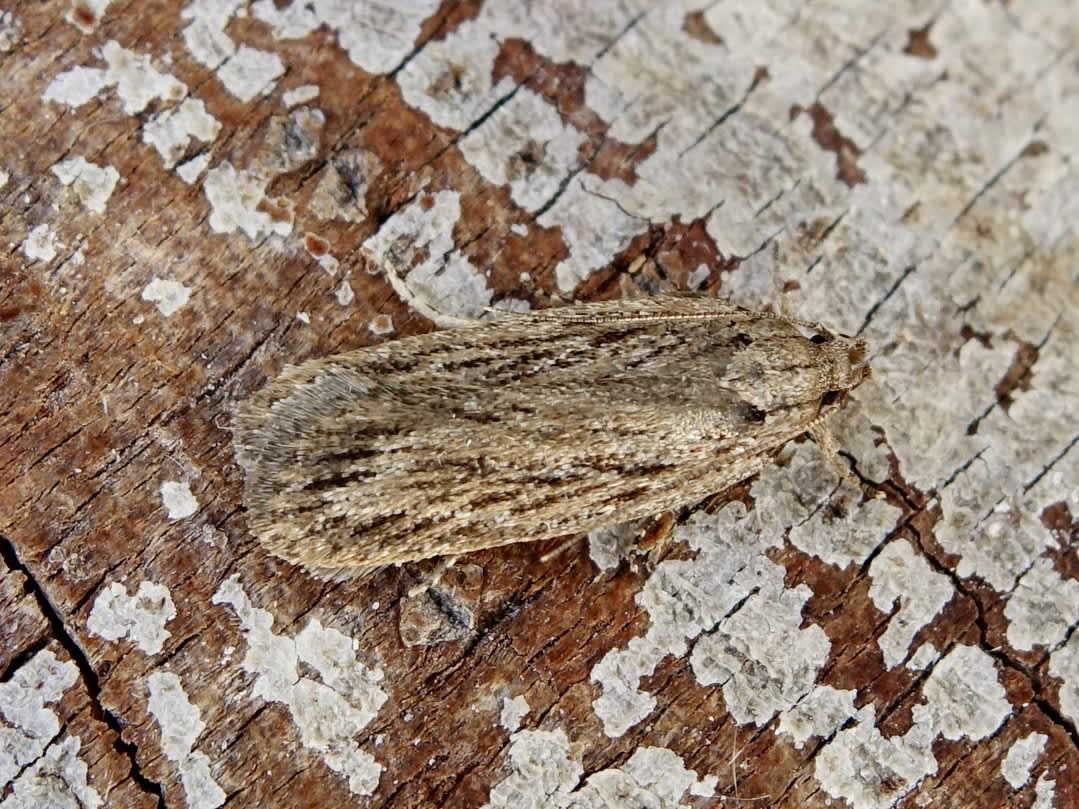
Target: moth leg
826,440
434,577
639,543
559,549
657,538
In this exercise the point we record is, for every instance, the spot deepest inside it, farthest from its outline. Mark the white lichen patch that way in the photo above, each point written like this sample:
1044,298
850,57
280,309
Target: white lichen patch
997,547
234,198
344,294
525,145
191,170
513,711
696,278
819,713
944,421
249,73
571,32
595,228
652,776
790,492
923,657
415,249
331,265
136,80
181,725
58,778
76,86
41,244
855,434
845,531
167,295
4,177
291,21
91,184
1021,758
205,35
869,771
963,699
172,130
29,728
377,38
760,656
685,598
451,79
141,618
1064,665
607,547
900,576
10,31
545,775
997,461
301,94
805,494
1045,794
633,87
1043,608
456,290
543,772
291,141
178,500
752,641
715,153
329,711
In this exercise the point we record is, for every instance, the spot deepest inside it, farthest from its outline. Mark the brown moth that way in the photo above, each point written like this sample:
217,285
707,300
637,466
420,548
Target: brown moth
529,427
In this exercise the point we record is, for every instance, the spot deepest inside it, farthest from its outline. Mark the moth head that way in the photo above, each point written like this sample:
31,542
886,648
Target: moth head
775,371
847,365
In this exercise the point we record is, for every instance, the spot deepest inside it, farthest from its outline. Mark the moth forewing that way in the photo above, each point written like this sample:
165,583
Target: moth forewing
529,427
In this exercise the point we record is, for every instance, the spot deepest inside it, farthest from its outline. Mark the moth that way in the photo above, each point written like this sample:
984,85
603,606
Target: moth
529,427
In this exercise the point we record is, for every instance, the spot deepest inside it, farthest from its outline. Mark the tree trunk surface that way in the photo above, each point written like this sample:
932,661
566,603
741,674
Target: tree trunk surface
196,196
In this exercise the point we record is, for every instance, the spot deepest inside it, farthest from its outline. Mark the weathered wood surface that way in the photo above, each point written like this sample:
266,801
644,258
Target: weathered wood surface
194,196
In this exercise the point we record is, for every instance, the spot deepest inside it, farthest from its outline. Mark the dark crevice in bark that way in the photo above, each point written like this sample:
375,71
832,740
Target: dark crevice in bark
907,271
86,671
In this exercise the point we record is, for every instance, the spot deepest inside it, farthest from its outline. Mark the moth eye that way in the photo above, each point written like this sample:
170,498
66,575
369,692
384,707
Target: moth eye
754,414
829,399
818,339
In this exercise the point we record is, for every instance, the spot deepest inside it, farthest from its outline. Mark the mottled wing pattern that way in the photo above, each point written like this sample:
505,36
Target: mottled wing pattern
532,427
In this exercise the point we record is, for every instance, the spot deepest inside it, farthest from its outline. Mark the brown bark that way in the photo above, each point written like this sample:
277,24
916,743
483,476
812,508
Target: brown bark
108,394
